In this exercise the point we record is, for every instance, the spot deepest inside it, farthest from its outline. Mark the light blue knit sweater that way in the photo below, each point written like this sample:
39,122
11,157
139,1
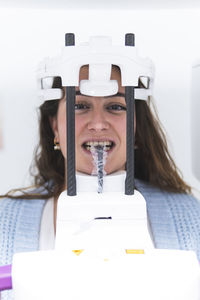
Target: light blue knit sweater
174,220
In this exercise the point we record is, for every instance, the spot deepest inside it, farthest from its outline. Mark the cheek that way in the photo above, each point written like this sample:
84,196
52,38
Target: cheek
61,118
61,126
79,126
120,127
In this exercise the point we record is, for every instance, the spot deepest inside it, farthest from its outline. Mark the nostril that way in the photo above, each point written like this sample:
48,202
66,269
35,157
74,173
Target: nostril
96,125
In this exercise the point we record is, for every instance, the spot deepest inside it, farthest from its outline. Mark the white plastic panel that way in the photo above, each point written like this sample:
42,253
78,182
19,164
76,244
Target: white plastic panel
157,275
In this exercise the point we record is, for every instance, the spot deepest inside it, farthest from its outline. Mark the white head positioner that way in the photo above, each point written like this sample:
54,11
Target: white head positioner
103,246
100,55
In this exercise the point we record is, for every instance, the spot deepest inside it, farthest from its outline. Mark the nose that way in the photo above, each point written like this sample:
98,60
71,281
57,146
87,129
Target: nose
98,121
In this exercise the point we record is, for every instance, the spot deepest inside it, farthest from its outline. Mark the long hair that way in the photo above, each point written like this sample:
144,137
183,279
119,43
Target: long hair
153,162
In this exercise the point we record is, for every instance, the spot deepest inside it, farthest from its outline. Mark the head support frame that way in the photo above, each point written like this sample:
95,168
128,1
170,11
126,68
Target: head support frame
100,55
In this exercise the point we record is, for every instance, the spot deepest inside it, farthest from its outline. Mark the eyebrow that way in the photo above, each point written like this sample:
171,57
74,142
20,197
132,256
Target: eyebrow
78,93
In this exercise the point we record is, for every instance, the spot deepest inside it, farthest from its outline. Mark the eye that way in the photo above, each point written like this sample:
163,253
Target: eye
116,107
81,106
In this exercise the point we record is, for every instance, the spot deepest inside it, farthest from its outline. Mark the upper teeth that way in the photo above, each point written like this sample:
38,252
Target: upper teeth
98,143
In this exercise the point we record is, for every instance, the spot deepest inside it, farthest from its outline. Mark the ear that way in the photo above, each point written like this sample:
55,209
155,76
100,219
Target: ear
54,125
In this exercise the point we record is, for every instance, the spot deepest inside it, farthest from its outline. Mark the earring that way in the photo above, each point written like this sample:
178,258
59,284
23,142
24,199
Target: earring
56,145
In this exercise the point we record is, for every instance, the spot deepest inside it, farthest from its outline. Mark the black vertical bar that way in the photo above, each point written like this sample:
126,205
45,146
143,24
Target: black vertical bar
130,99
71,169
70,115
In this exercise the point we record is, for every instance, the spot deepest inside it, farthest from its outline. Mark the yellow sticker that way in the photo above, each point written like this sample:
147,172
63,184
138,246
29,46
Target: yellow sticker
134,251
78,252
106,259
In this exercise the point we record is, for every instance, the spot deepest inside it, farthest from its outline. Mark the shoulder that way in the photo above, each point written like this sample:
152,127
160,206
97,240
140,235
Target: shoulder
23,198
177,199
8,205
177,205
19,226
17,211
175,217
181,207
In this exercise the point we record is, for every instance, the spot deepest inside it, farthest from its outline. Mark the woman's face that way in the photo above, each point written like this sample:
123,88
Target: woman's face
98,119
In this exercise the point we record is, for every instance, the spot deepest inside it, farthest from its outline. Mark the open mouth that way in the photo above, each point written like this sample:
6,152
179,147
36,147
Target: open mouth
107,145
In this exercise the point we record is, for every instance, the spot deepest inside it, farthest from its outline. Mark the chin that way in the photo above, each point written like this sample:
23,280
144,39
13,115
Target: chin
85,171
114,170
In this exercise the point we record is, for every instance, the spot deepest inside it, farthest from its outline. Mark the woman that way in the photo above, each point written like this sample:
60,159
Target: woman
28,218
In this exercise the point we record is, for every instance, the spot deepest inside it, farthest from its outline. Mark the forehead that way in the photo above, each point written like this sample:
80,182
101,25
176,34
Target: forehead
115,75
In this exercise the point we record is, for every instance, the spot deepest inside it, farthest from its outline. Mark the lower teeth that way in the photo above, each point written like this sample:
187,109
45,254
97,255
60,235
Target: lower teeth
106,148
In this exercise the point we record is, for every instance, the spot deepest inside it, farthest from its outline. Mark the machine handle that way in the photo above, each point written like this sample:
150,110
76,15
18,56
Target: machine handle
5,277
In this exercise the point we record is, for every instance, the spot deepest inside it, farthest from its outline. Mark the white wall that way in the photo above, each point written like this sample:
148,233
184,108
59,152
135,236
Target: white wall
170,37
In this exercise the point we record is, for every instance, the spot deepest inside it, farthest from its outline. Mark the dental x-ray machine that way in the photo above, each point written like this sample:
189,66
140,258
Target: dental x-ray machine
103,246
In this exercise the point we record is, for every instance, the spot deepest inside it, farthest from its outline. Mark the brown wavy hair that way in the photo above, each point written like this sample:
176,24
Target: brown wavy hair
153,163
